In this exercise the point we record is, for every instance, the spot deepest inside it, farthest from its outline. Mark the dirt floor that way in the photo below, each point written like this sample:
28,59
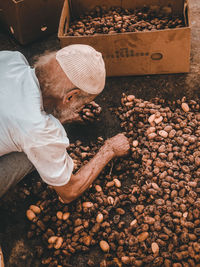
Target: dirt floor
13,224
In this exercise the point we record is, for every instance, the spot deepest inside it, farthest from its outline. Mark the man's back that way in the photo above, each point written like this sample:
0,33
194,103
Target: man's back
25,126
20,101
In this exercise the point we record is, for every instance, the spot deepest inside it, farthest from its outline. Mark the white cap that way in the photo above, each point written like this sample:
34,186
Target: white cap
84,66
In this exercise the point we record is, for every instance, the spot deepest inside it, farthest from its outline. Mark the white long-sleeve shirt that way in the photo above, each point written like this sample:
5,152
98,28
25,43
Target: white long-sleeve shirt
25,126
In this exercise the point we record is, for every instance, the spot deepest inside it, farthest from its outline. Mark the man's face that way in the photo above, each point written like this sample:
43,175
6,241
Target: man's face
68,110
60,96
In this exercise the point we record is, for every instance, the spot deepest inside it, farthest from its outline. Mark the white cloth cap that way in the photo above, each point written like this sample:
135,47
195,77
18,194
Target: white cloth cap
84,66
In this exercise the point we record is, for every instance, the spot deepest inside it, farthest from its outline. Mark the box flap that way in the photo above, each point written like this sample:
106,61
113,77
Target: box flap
64,19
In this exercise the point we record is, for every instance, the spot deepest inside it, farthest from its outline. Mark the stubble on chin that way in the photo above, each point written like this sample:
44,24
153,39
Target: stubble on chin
65,116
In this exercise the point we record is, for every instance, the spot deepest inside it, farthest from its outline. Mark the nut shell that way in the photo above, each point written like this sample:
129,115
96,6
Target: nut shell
104,246
30,215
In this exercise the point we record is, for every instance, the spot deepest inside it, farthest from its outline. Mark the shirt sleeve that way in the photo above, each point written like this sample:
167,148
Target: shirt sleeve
46,149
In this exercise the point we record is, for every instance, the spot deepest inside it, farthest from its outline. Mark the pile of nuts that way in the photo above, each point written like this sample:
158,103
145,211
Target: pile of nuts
119,20
142,210
91,112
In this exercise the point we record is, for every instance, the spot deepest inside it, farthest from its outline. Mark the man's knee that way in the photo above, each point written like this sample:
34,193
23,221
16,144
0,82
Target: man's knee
13,168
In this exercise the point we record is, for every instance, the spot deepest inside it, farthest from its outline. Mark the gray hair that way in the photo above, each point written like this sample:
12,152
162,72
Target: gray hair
55,83
52,80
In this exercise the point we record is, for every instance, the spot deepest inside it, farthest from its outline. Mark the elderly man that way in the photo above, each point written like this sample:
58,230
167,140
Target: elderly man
34,103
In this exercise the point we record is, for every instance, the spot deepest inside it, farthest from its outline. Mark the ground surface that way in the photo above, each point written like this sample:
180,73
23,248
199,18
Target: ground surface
13,225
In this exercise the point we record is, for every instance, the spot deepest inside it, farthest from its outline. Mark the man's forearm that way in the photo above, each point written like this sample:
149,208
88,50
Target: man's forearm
86,175
93,168
116,146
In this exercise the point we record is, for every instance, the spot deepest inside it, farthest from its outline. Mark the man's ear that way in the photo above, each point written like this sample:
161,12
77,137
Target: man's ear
71,95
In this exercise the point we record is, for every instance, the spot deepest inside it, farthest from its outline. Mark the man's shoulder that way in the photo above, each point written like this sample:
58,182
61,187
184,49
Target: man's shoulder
6,55
9,53
45,130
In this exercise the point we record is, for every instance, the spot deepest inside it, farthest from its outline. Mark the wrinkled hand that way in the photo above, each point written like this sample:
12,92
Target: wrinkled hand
119,144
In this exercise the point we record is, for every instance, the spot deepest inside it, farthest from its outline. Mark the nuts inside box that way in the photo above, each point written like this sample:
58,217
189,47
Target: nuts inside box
101,20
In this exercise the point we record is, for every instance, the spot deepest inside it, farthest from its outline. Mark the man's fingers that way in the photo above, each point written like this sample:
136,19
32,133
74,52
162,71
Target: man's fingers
119,144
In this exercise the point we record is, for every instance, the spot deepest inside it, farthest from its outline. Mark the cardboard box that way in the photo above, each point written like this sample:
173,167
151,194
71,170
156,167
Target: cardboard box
136,53
29,20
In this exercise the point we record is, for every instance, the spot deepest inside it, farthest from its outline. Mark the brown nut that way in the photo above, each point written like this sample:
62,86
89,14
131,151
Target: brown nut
110,200
155,248
104,246
99,218
143,236
52,239
58,243
117,183
35,209
66,216
59,215
30,215
98,188
185,107
87,204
